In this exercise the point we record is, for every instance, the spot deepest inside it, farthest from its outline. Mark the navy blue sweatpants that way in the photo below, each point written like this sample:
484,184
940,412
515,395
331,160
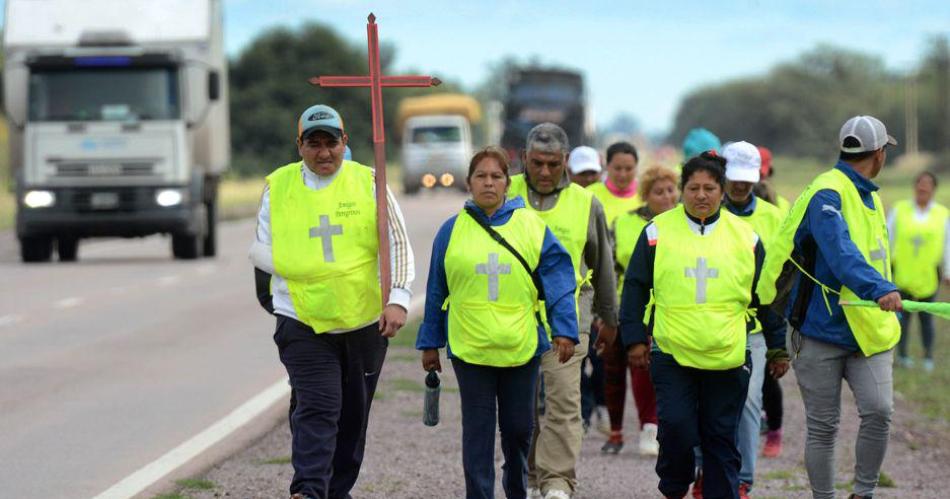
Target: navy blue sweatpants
698,407
508,392
333,377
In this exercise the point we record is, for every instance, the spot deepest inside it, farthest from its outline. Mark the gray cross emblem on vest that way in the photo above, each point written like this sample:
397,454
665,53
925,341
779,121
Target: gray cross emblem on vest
492,269
918,241
881,254
701,273
326,232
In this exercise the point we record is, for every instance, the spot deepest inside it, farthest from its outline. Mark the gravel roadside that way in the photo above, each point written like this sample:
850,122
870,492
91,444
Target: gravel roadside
405,459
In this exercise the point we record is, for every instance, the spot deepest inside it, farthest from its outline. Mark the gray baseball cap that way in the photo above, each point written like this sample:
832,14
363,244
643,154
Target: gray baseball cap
867,133
319,117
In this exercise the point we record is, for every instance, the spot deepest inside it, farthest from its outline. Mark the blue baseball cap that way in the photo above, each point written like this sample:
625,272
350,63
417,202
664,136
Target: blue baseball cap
698,141
319,118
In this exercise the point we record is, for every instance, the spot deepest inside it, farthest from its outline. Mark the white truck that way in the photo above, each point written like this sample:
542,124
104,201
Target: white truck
118,119
436,140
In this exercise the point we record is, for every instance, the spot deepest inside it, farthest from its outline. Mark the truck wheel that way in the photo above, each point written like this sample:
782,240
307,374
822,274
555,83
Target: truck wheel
186,246
36,249
211,238
410,188
68,248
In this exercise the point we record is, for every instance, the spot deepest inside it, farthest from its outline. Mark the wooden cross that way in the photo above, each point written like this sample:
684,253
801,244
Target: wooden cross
375,81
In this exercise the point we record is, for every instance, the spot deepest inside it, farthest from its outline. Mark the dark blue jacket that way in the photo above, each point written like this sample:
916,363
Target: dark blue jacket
554,268
823,238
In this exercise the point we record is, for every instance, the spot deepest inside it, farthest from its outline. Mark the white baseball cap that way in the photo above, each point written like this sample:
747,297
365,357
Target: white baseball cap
584,159
867,133
743,162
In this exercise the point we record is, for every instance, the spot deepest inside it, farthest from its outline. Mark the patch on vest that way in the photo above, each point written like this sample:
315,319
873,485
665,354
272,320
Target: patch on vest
493,269
326,232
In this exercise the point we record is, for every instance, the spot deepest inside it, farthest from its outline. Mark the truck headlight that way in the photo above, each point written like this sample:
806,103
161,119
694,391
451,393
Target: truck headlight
447,179
169,197
39,199
428,181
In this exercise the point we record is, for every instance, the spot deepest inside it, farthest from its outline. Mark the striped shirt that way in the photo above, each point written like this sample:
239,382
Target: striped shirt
400,251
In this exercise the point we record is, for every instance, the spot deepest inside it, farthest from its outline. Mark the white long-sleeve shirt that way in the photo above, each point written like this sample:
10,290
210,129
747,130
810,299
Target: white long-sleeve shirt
400,251
921,215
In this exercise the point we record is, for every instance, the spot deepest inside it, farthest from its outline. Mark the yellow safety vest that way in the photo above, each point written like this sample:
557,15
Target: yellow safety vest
918,248
627,229
874,329
766,220
614,206
325,246
492,299
568,221
702,288
783,205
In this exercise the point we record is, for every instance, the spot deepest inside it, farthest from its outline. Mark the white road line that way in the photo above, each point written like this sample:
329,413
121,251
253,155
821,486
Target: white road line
72,301
9,320
154,471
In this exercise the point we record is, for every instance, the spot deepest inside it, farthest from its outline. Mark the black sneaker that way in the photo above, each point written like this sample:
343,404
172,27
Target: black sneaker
612,447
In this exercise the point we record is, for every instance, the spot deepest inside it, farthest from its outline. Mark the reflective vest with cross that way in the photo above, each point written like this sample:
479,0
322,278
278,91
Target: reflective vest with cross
874,329
492,301
918,248
325,246
702,288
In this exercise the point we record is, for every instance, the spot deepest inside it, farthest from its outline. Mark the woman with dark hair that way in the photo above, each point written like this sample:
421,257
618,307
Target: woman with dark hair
658,189
920,242
690,285
491,266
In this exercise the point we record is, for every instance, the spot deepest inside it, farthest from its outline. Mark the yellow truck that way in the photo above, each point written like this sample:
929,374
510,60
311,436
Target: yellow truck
436,140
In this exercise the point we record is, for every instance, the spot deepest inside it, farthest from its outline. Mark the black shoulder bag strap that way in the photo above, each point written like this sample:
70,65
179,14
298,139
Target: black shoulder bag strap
501,240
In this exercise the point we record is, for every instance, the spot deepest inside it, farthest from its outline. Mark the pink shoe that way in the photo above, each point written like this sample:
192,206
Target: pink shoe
773,444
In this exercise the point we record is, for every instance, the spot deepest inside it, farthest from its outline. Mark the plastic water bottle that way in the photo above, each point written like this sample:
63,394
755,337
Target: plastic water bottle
430,409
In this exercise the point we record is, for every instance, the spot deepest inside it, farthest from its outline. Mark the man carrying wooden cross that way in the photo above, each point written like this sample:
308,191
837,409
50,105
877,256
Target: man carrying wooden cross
317,236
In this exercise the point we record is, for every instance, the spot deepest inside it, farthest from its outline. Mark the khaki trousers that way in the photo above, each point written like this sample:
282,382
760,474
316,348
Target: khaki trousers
557,434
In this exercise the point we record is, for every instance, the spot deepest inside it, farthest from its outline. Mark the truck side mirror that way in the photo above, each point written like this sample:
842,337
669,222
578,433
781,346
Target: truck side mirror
214,85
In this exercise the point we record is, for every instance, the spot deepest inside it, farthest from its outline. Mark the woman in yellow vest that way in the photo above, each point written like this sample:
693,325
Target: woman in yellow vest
658,189
482,301
920,241
690,285
618,193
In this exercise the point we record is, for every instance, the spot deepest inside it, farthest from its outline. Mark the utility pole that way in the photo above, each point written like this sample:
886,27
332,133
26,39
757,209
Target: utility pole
910,114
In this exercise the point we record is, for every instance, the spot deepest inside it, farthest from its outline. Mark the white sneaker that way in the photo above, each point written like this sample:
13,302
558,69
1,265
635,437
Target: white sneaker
603,419
649,446
557,494
534,493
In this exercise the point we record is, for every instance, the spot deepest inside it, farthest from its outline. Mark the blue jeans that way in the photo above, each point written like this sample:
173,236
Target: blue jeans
698,407
511,390
751,421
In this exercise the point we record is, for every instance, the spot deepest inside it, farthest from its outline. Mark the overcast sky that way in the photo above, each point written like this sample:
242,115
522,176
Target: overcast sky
638,57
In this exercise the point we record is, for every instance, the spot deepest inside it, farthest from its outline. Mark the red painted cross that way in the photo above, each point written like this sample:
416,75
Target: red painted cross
376,81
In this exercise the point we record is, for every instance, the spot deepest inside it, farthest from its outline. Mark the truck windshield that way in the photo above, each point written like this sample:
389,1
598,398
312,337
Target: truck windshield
436,134
104,94
547,92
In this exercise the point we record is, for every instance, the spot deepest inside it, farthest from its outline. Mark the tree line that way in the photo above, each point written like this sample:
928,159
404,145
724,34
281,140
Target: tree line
797,107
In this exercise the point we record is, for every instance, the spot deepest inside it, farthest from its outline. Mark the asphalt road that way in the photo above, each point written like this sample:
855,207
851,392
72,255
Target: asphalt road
108,363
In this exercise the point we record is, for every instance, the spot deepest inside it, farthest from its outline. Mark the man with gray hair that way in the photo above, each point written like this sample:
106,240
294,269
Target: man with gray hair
577,219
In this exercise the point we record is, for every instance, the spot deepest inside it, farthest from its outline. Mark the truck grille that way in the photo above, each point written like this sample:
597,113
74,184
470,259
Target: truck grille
127,199
82,169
